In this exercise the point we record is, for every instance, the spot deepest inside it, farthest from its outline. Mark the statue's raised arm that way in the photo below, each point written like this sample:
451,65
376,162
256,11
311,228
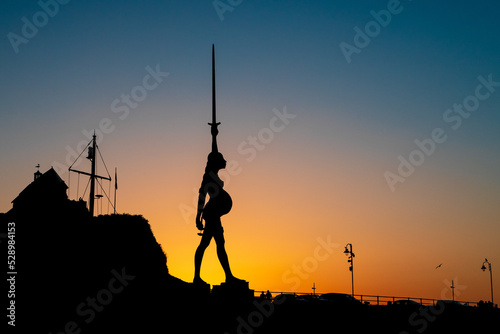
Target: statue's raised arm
214,132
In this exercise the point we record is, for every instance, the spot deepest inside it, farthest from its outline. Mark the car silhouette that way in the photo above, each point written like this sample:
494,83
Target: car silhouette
407,304
340,299
289,298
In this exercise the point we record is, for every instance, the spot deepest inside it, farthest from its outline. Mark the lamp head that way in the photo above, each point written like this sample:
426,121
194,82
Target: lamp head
346,252
483,268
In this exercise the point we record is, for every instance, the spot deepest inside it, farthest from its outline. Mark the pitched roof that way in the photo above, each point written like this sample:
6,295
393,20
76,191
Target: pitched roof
49,183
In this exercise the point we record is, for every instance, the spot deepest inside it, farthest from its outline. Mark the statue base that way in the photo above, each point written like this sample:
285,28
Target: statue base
233,291
200,289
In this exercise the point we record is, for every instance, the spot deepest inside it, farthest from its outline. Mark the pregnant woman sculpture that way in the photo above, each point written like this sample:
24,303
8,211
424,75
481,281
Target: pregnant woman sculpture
219,204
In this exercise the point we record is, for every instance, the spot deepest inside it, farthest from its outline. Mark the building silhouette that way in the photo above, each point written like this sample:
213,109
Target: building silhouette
47,191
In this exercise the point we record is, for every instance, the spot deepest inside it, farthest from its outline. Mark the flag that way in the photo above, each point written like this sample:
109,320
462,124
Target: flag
116,180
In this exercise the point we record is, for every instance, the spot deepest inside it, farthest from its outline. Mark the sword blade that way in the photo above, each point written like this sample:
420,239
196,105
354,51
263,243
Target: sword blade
213,86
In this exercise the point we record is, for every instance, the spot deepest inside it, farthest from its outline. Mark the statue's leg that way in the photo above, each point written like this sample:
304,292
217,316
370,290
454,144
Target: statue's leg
198,256
222,254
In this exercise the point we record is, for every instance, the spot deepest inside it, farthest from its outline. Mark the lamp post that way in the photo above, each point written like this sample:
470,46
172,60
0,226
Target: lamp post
452,290
348,252
483,268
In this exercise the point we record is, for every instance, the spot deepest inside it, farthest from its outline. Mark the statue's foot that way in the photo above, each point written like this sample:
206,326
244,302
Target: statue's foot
199,281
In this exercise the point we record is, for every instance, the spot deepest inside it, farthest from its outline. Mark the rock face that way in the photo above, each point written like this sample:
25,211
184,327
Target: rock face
77,272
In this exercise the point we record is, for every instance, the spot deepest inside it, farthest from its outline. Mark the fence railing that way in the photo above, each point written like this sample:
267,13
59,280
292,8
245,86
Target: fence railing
370,299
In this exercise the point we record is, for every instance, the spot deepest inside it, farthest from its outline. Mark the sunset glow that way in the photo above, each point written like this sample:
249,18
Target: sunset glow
308,136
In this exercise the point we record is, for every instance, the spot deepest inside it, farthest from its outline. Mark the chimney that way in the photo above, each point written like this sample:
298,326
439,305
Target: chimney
37,173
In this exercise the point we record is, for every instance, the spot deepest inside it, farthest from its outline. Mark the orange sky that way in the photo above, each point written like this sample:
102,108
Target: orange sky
317,176
299,194
298,191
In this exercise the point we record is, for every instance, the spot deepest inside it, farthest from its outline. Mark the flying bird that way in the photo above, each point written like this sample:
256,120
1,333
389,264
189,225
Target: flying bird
439,265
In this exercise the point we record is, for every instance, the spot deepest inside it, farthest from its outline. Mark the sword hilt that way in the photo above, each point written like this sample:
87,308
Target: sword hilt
214,131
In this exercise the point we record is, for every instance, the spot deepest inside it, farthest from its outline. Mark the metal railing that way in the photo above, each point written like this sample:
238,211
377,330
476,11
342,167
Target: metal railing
370,299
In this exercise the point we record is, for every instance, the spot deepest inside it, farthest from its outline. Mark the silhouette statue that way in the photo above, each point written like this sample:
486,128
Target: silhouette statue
219,203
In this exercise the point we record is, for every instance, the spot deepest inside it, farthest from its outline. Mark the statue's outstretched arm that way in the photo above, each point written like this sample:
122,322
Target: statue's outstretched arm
214,132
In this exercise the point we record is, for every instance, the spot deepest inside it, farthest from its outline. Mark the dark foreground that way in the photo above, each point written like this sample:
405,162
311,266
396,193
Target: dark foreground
78,274
323,317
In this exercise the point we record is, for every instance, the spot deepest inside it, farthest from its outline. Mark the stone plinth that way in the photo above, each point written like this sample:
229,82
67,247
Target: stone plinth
233,292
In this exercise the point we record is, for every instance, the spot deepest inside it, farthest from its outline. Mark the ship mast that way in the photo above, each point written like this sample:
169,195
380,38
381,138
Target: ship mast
92,157
92,176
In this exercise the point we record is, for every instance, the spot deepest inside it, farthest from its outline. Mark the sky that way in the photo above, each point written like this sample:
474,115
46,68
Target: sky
373,123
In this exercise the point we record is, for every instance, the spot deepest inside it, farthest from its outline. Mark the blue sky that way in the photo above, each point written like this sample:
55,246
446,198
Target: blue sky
360,115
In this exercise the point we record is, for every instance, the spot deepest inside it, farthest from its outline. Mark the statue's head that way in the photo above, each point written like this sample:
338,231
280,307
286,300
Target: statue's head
215,161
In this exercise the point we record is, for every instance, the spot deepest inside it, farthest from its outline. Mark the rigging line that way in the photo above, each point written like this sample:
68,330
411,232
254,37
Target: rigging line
69,186
79,155
109,200
86,188
78,186
109,191
99,201
98,150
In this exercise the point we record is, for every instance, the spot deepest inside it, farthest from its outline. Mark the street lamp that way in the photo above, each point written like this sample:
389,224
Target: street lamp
348,252
483,268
